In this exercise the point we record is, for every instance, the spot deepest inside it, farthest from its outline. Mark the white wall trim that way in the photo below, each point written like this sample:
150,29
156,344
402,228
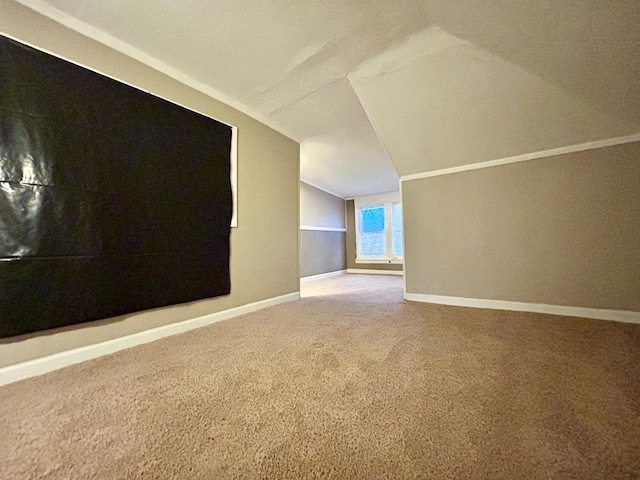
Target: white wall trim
595,313
323,189
163,69
118,45
43,365
366,271
234,175
323,229
404,247
320,276
527,156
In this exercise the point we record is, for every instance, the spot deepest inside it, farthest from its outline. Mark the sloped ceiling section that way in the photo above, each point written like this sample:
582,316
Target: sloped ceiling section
437,101
588,48
380,88
284,62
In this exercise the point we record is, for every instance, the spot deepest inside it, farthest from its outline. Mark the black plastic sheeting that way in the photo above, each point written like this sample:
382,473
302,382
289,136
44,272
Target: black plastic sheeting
112,200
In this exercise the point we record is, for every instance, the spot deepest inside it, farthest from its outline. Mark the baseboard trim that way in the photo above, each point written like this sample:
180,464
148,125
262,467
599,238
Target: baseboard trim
40,366
320,276
366,271
595,313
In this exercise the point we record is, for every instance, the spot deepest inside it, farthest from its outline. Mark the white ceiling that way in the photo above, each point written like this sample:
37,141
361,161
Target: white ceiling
444,82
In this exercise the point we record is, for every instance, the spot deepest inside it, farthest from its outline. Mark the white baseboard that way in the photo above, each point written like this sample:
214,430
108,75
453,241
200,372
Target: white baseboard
43,365
320,276
595,313
366,271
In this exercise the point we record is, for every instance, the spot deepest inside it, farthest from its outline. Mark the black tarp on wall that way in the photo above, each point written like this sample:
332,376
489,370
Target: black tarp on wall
111,200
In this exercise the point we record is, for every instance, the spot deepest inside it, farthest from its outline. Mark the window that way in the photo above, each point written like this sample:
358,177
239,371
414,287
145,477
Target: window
396,229
372,233
379,229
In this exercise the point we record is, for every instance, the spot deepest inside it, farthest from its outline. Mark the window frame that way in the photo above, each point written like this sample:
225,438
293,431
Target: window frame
387,201
393,229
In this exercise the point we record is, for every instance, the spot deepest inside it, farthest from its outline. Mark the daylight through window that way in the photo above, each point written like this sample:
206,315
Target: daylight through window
379,229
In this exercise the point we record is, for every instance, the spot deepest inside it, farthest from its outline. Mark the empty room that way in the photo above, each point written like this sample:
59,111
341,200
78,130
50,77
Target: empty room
286,239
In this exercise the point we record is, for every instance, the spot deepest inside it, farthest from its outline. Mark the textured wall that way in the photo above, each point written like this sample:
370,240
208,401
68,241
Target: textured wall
563,230
264,260
321,251
320,209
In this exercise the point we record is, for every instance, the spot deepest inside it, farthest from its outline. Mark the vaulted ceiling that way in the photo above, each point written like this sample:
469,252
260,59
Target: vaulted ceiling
374,89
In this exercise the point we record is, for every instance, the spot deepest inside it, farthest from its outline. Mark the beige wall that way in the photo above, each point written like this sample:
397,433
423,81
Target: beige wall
351,245
264,259
563,230
321,251
319,208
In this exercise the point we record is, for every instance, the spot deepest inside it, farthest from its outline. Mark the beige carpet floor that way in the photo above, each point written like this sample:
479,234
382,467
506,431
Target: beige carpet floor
349,382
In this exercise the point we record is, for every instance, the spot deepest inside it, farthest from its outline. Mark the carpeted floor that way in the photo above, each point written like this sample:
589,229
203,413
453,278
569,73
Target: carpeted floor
349,382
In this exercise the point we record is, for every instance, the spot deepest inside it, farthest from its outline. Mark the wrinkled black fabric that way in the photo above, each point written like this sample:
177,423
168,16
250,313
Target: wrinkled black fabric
112,200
